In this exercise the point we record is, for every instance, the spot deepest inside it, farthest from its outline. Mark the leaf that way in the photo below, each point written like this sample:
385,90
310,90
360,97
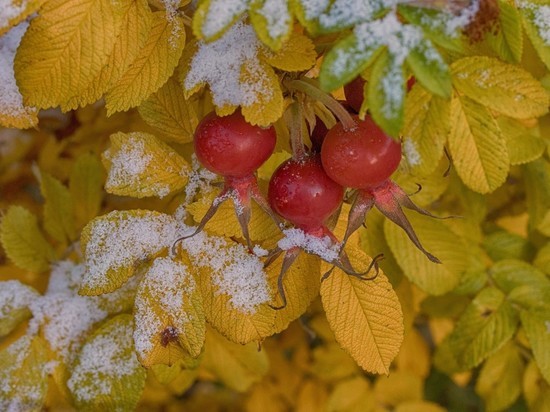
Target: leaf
168,111
152,67
141,165
536,390
272,21
169,315
439,240
352,395
501,87
509,274
477,146
532,18
386,94
23,376
430,69
537,329
15,298
237,366
58,209
427,124
331,363
537,188
14,12
107,374
23,241
64,49
424,406
86,188
499,382
365,316
116,243
484,327
508,41
213,17
524,144
505,245
296,54
400,386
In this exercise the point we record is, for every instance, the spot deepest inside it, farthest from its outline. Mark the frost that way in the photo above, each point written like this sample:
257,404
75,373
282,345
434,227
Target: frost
221,13
220,63
541,18
323,247
411,152
277,17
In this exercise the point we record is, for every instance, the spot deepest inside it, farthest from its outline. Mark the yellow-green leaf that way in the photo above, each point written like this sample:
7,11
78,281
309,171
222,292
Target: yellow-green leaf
152,67
508,40
509,274
535,389
296,54
272,21
351,395
64,49
141,165
484,327
501,87
477,146
86,188
23,241
23,376
536,326
107,374
524,143
537,188
15,298
116,243
169,315
170,112
365,316
533,19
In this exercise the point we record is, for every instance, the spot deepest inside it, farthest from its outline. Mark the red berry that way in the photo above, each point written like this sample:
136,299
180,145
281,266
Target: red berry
362,157
229,146
301,192
354,93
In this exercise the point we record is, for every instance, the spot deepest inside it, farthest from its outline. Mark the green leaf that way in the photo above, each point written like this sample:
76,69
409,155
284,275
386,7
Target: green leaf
386,94
534,25
107,374
477,146
505,245
23,241
542,260
508,40
509,274
537,188
430,69
484,327
272,21
15,298
86,188
537,329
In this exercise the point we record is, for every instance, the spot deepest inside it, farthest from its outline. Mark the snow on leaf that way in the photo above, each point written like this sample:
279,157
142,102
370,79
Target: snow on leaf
107,374
323,247
141,165
272,21
213,17
15,298
12,12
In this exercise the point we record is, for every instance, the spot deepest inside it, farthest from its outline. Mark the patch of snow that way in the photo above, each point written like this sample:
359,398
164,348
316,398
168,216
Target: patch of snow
323,247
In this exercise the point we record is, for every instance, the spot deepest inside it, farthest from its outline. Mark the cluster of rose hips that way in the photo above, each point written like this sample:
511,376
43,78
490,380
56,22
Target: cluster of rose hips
307,189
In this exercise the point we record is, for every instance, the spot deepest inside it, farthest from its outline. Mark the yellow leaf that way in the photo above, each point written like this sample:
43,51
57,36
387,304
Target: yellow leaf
313,396
477,146
501,87
265,397
152,67
524,143
64,49
237,366
272,21
331,363
427,124
23,377
140,165
15,298
398,387
169,316
295,55
170,112
86,188
414,406
414,356
535,389
365,316
116,243
352,395
15,11
23,241
107,374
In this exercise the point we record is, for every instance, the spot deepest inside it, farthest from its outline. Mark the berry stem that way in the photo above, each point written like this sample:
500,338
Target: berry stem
309,87
296,139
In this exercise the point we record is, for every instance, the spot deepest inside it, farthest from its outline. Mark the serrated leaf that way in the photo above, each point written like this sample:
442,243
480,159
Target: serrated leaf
23,241
524,144
537,188
213,17
537,329
86,188
58,209
272,21
508,40
427,124
386,94
169,315
14,12
484,327
23,377
168,111
64,49
430,69
107,374
237,366
296,54
477,146
534,25
152,67
15,298
365,316
499,381
439,240
501,87
141,165
116,243
509,274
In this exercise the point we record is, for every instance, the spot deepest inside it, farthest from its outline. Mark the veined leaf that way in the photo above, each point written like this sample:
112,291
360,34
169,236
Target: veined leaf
509,274
365,316
15,298
107,374
533,19
536,326
272,21
484,327
427,124
501,87
86,188
169,315
170,112
213,17
23,377
152,67
64,49
524,144
140,165
508,41
23,241
477,146
296,54
502,245
430,69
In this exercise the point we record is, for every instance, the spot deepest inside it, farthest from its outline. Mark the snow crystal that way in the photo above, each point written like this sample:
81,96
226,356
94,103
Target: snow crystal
323,247
411,152
11,101
14,296
277,16
220,13
541,18
219,64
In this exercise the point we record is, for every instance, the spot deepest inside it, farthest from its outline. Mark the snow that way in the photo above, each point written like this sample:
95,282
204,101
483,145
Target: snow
348,12
200,180
221,13
14,296
451,21
277,17
541,18
9,9
411,152
314,8
323,247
